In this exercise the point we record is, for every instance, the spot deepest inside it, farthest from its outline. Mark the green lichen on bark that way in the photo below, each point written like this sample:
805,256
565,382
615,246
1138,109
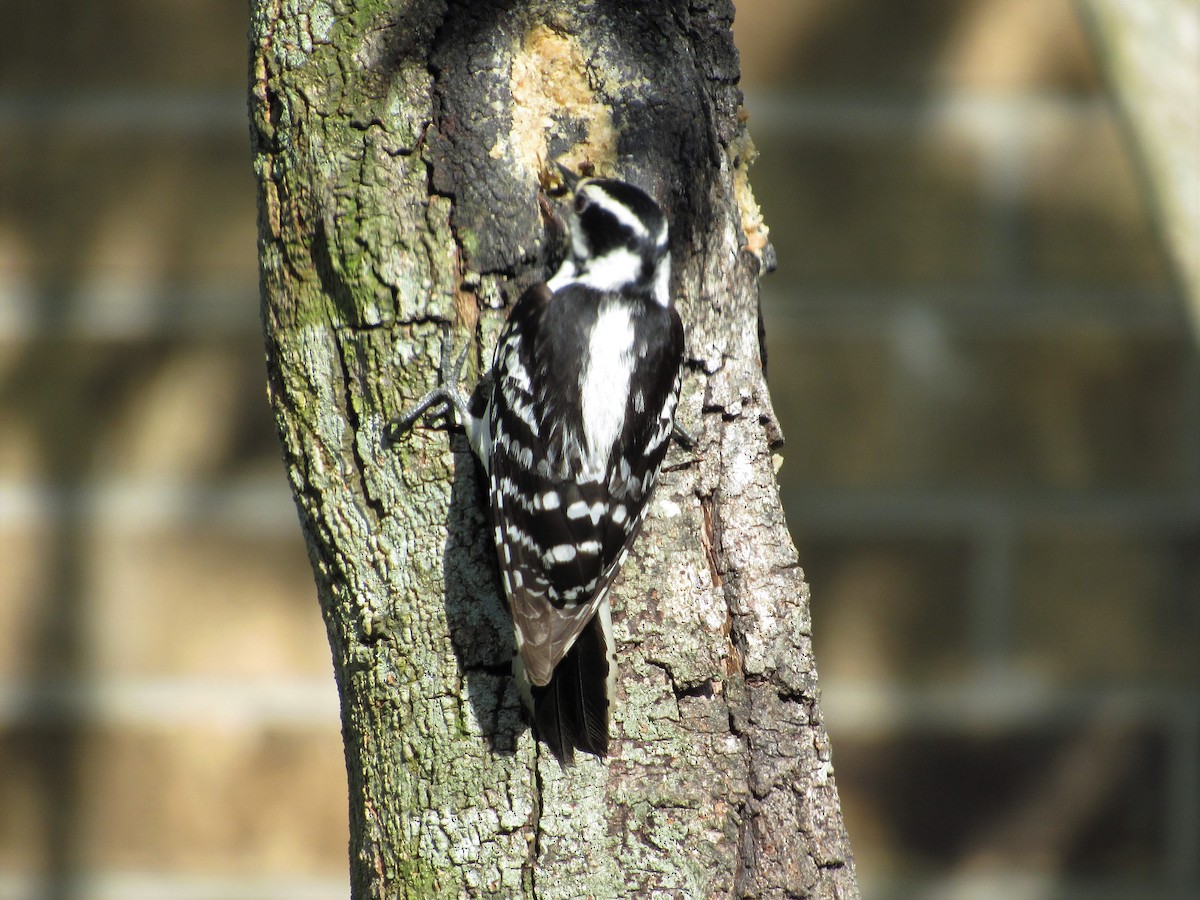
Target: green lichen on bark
396,193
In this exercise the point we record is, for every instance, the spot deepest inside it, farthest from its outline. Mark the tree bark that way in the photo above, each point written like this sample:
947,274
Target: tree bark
398,148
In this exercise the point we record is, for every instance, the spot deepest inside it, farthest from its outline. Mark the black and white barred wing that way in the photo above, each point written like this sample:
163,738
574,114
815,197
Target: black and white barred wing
546,550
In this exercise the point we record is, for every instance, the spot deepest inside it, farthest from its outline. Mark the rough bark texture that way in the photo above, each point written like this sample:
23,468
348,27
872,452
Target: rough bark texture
398,147
1151,55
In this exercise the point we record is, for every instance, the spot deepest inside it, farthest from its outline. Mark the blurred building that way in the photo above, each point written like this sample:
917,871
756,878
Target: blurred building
168,723
989,386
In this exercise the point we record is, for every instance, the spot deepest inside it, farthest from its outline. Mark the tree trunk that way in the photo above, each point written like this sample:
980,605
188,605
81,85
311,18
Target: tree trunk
398,148
1151,57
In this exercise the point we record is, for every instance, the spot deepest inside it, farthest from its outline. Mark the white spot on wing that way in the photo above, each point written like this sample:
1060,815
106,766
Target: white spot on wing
523,411
581,510
562,553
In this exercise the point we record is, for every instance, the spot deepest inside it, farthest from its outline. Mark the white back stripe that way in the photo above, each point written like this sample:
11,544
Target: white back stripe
606,374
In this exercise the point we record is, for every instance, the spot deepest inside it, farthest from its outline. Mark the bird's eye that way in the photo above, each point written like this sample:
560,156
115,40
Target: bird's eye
581,202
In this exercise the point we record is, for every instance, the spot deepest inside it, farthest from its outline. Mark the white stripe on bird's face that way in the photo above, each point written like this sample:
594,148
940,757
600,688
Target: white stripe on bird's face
594,193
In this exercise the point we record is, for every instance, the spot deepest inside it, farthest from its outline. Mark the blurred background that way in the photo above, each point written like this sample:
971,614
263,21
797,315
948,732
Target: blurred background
979,353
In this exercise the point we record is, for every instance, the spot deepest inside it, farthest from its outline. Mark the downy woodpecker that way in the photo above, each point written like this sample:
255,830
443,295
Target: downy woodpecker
571,426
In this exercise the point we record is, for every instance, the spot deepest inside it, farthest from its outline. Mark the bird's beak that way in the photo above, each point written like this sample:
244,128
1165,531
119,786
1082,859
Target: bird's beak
569,179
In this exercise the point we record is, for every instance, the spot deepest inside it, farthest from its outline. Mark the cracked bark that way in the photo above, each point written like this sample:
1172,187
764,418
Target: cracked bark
397,147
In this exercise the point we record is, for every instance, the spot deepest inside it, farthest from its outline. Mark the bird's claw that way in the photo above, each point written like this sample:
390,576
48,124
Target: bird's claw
440,402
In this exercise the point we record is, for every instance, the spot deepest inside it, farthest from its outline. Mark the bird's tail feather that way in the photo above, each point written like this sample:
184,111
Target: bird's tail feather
571,712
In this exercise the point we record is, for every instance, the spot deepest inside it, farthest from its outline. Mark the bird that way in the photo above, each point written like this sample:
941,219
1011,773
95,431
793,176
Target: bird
571,426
